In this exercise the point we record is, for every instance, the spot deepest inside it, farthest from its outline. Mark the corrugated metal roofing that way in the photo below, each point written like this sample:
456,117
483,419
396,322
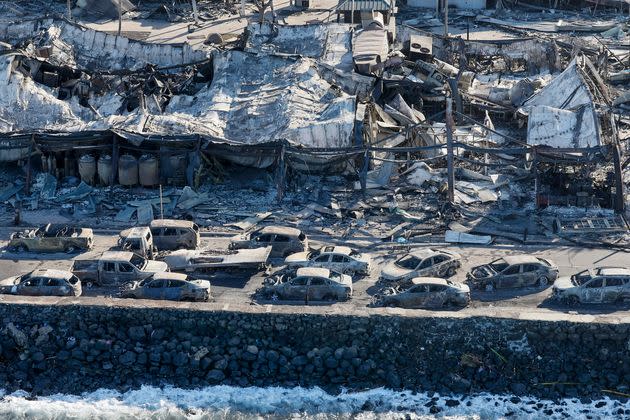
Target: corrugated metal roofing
346,6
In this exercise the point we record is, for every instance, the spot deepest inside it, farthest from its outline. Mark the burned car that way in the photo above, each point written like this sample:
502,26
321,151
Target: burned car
168,286
596,285
52,238
512,272
170,234
115,268
138,240
42,282
308,284
283,240
427,292
422,263
338,258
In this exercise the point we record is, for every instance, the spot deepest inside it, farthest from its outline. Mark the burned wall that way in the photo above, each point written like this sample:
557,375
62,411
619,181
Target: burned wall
77,348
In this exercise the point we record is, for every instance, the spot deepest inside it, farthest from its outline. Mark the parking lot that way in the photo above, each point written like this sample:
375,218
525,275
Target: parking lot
235,290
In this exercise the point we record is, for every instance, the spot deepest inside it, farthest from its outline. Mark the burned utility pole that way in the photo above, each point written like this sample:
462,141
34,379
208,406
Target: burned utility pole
119,17
446,18
449,150
195,11
69,4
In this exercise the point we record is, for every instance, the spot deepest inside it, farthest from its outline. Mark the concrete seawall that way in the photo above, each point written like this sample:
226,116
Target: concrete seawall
75,348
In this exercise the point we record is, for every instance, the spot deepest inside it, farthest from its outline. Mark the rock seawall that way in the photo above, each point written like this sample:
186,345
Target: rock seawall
73,349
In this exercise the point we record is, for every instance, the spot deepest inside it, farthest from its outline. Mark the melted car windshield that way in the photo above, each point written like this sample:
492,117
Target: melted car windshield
335,276
499,265
409,262
138,261
581,278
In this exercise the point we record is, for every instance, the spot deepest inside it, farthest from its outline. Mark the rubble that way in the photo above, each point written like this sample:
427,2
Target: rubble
364,97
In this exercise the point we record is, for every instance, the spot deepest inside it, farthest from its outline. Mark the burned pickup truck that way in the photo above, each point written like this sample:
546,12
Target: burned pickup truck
52,238
205,263
115,268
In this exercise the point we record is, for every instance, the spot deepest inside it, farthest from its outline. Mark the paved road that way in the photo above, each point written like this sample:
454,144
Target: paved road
238,290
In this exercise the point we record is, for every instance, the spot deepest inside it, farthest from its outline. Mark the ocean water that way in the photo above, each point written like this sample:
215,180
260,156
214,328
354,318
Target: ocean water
225,402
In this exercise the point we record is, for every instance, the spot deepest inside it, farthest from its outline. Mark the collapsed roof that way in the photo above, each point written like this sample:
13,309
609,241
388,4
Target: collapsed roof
251,99
563,114
65,43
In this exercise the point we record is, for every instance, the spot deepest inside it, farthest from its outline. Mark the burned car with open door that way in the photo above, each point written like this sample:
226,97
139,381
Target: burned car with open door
427,292
307,284
422,263
513,272
52,238
42,282
595,285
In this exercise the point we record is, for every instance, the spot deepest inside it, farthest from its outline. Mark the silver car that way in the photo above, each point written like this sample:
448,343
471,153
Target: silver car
427,292
422,263
338,258
513,272
42,282
308,284
283,240
169,286
596,285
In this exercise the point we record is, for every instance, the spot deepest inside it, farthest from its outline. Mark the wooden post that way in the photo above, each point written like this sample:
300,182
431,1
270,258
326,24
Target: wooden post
28,165
449,150
364,172
619,199
536,177
195,12
281,174
352,13
161,204
119,17
446,18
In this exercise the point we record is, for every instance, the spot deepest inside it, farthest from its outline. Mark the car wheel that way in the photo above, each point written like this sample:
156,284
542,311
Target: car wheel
71,249
451,271
89,283
21,248
543,281
329,298
489,287
391,305
275,297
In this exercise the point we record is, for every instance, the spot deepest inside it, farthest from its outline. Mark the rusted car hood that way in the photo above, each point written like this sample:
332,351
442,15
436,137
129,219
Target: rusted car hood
564,283
393,272
155,266
9,281
297,257
205,284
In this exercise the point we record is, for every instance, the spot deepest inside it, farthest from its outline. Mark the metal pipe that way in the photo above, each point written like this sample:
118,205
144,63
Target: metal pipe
449,150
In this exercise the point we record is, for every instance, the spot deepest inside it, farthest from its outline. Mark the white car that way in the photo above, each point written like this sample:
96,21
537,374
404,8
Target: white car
597,285
338,258
422,263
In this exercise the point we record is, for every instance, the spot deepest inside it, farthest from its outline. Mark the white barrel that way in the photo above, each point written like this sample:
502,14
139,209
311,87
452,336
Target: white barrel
87,169
104,167
127,170
148,171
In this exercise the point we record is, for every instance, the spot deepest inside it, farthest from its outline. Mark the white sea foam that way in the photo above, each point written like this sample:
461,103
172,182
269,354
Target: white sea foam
220,402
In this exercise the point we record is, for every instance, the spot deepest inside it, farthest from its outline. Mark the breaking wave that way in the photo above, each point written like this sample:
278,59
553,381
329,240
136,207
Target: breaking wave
221,402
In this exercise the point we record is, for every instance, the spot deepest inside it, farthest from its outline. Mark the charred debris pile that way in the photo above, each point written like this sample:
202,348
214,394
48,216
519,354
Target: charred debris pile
375,124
